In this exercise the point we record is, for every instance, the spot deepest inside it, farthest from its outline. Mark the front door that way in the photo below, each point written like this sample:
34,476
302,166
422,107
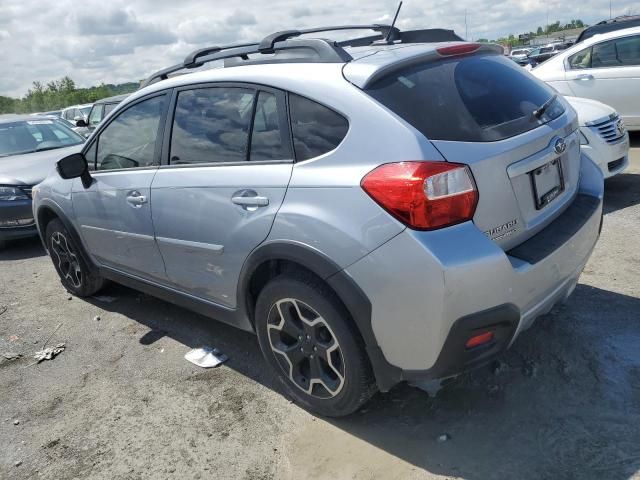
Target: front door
230,161
610,73
114,213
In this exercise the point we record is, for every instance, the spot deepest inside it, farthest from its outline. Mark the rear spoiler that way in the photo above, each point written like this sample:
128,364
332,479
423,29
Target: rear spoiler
373,68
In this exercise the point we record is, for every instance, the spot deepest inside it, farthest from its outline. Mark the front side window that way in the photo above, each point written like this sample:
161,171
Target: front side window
129,141
316,129
622,52
96,115
211,125
579,60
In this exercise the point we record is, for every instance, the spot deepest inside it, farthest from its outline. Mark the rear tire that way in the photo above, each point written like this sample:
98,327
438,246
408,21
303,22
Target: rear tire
308,338
74,273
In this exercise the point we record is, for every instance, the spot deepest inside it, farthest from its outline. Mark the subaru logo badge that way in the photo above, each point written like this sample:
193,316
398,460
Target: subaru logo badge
560,146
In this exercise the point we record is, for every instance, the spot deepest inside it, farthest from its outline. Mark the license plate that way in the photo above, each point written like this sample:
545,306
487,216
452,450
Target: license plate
547,182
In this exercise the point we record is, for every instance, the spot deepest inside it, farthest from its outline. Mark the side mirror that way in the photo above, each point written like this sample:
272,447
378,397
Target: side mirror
81,122
75,166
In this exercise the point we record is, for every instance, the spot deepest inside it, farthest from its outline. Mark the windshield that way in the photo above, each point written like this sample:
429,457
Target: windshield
479,98
28,136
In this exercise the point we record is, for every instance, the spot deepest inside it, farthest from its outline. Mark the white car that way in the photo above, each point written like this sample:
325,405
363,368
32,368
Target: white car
604,67
76,112
603,137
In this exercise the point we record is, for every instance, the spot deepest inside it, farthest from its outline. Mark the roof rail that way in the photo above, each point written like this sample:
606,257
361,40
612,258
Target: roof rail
310,50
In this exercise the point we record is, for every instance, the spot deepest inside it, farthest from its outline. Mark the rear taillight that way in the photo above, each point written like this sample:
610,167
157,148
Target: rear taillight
424,195
459,49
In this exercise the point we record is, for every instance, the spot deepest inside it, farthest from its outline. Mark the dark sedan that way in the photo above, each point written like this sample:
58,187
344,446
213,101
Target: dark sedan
30,146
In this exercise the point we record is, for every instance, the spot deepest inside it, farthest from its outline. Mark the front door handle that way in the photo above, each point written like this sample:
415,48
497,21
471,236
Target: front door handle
584,76
136,200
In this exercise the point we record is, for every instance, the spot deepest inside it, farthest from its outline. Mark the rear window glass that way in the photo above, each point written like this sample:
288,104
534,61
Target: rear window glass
316,129
481,98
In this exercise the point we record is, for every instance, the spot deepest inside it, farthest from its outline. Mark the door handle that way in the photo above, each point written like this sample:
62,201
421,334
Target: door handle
251,201
136,200
584,76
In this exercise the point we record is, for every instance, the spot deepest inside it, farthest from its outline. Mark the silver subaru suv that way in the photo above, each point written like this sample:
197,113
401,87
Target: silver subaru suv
396,207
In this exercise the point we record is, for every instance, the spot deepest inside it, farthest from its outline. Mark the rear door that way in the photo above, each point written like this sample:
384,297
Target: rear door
609,71
228,163
114,213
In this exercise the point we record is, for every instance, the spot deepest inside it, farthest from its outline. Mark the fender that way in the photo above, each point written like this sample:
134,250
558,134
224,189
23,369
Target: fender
47,204
353,298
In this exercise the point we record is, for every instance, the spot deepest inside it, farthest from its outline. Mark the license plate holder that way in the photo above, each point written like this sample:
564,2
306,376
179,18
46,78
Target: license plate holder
547,182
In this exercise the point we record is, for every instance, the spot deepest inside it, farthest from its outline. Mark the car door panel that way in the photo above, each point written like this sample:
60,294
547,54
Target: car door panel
216,201
119,234
204,237
114,212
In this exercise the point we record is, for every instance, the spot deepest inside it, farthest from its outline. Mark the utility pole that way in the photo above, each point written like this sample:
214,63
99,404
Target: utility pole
610,14
466,29
547,27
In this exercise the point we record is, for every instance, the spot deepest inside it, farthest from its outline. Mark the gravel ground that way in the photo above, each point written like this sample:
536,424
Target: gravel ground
121,402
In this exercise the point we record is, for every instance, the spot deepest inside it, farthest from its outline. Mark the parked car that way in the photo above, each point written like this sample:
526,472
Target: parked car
83,131
543,54
349,208
520,55
99,110
609,25
76,112
605,67
603,136
29,148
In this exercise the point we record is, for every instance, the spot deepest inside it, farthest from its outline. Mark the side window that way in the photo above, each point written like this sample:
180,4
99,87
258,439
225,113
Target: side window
108,107
604,55
211,125
129,141
316,129
268,138
629,50
96,115
582,59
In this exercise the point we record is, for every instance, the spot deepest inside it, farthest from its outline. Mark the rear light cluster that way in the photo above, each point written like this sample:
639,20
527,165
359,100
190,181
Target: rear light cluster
424,195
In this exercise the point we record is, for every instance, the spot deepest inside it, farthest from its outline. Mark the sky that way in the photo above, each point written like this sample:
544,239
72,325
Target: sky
116,41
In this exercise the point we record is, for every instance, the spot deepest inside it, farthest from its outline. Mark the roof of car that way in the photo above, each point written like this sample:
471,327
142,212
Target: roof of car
114,99
610,25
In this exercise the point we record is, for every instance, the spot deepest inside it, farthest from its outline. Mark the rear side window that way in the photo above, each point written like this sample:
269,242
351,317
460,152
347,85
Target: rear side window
211,125
268,139
316,129
622,52
481,98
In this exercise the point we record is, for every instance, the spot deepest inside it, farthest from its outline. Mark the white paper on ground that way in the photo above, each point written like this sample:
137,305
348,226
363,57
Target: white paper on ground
206,357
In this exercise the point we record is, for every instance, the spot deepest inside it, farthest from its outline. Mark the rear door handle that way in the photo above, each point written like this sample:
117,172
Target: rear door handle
584,76
136,200
251,201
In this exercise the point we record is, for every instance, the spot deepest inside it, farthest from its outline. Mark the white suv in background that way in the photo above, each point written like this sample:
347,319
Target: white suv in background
603,136
604,67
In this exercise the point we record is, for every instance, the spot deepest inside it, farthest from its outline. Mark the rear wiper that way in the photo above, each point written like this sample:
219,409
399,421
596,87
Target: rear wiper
539,111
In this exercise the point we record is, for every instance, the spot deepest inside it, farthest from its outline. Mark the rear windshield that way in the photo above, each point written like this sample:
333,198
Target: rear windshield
481,98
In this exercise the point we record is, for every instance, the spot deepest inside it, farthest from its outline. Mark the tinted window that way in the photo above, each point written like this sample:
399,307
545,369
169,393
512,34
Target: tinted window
582,59
316,129
479,98
604,55
211,125
129,141
268,138
628,50
108,108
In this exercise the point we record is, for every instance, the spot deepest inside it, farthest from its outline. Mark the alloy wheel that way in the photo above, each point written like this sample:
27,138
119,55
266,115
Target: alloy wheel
306,348
68,264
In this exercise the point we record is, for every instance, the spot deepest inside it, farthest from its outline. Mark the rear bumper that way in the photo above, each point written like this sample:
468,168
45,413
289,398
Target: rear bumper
11,212
439,287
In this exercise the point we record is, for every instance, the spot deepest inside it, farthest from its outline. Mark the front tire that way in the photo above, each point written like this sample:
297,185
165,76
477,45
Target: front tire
74,273
308,338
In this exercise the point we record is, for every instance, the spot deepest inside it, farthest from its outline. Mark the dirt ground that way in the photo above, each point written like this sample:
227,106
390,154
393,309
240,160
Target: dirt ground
122,403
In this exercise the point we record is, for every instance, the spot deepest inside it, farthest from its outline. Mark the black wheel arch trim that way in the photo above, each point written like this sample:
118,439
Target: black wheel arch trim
58,212
351,295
